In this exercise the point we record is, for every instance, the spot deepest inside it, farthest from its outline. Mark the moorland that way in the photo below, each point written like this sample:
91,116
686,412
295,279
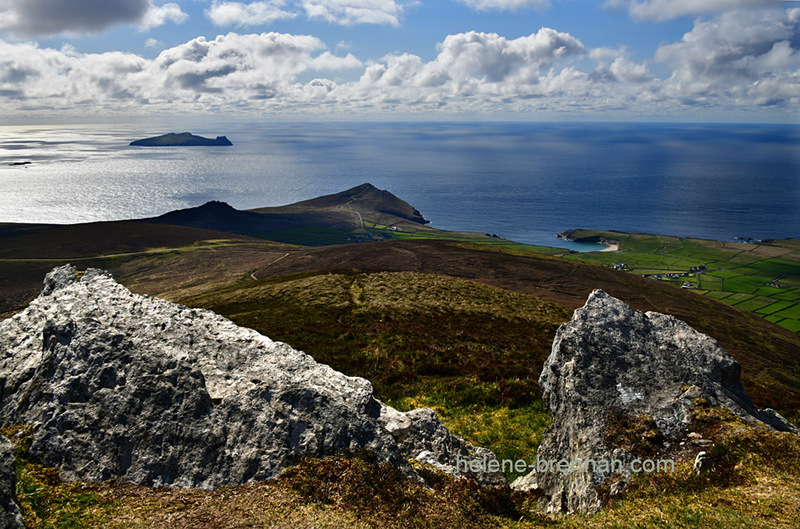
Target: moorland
460,322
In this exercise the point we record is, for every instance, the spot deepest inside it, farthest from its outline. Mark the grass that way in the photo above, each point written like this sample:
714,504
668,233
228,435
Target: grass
307,236
470,351
46,501
475,411
731,267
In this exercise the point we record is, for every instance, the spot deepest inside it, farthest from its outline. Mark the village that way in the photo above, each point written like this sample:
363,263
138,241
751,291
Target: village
669,275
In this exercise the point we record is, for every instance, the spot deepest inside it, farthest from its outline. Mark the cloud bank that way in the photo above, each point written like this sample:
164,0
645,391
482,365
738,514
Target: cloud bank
746,57
733,62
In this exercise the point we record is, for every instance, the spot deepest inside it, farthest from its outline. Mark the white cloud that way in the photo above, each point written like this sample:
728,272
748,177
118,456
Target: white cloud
352,12
475,72
748,56
152,43
242,63
505,5
26,18
664,10
230,71
737,60
342,12
252,14
160,15
616,66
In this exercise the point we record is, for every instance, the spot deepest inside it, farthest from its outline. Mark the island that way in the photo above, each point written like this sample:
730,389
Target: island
183,139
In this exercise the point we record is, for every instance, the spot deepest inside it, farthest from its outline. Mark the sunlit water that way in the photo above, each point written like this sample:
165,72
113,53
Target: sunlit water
524,182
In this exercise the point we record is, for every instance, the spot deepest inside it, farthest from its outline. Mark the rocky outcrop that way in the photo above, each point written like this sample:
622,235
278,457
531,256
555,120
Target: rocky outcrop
613,360
124,386
421,433
10,517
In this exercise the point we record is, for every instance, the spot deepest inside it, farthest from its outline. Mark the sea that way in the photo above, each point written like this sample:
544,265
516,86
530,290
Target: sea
522,181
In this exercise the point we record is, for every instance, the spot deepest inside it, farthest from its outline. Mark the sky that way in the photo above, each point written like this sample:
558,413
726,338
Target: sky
615,60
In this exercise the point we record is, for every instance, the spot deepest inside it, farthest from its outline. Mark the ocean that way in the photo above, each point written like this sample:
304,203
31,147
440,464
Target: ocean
522,181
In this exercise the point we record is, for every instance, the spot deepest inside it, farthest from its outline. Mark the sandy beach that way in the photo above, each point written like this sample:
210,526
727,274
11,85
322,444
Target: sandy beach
611,248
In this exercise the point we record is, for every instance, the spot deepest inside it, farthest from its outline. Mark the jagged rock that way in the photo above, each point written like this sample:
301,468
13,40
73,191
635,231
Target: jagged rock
10,516
124,386
612,359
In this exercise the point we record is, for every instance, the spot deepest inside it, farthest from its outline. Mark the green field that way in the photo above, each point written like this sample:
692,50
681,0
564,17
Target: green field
762,278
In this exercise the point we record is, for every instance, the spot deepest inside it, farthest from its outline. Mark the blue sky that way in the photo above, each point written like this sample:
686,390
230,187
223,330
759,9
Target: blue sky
689,60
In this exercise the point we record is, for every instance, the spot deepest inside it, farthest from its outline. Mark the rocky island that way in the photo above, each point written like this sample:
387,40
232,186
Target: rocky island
181,140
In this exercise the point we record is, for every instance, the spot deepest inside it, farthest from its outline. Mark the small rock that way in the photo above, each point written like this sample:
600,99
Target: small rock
701,463
618,487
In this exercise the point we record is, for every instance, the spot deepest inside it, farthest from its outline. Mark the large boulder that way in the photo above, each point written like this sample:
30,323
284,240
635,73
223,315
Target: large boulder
10,517
124,386
611,361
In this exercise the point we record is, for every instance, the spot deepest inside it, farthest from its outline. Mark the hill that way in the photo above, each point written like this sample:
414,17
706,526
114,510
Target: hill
471,351
370,202
338,218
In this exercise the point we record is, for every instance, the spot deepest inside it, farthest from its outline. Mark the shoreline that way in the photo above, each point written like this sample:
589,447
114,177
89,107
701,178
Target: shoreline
611,247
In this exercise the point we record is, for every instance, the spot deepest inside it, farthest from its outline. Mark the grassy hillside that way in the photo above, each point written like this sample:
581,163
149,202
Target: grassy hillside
471,351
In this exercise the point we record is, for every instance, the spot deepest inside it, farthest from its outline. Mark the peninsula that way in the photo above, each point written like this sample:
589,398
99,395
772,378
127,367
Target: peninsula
183,139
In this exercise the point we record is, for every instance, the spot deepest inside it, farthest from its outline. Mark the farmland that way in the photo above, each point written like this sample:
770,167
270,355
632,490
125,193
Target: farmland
762,277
